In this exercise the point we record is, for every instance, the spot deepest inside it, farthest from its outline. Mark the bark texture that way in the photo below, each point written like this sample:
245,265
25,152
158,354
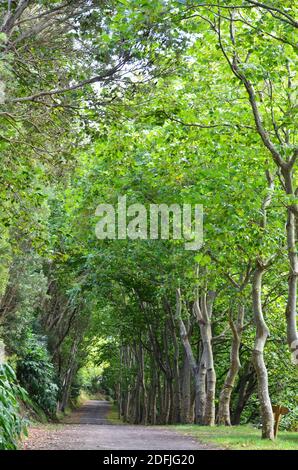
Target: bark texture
224,416
262,334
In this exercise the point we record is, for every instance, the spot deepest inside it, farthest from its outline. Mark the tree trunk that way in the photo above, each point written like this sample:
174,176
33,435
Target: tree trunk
176,405
195,369
200,401
166,402
203,310
185,391
291,313
66,384
224,416
152,406
141,410
245,389
262,333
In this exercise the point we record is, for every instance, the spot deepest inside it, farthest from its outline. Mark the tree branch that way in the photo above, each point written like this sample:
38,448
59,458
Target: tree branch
60,91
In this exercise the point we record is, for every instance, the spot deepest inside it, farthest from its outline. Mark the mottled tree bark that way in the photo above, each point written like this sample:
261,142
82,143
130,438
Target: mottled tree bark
175,371
224,416
203,308
185,390
152,401
194,367
262,333
291,312
68,376
244,389
200,386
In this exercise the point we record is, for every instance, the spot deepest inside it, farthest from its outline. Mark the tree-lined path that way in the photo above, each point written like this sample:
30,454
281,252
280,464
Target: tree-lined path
120,121
88,429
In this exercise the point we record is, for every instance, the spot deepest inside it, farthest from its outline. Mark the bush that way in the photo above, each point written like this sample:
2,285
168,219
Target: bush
289,422
36,374
12,425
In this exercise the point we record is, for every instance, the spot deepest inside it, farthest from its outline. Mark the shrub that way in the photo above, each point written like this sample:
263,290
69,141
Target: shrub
290,421
36,374
12,425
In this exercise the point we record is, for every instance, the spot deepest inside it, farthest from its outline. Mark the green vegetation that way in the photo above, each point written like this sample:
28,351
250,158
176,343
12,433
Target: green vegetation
163,102
239,437
113,415
36,374
12,425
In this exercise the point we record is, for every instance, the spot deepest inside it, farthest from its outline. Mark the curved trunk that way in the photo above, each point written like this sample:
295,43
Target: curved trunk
198,372
204,315
68,376
200,400
245,388
292,285
209,416
224,416
262,334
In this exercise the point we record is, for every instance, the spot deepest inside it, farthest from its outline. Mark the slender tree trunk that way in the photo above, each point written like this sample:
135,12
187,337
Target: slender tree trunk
291,312
141,409
262,333
136,403
195,369
160,400
245,389
172,401
200,401
209,418
126,406
176,402
204,315
192,405
166,401
224,416
153,397
122,395
185,391
66,384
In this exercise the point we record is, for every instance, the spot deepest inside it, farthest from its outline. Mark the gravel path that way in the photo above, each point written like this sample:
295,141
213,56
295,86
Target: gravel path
88,428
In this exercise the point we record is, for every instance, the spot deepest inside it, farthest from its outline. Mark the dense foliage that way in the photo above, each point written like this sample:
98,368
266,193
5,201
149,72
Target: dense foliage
12,425
160,101
36,374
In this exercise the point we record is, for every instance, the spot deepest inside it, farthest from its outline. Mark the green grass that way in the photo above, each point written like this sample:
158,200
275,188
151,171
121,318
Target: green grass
239,437
113,415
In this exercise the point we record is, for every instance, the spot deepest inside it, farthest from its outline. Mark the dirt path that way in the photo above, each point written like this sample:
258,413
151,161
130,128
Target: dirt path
88,428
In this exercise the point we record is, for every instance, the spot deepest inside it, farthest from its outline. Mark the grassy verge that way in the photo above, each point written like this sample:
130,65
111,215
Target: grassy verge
239,437
113,415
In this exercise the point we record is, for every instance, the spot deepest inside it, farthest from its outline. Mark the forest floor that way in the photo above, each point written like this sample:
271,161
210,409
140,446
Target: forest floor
92,427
